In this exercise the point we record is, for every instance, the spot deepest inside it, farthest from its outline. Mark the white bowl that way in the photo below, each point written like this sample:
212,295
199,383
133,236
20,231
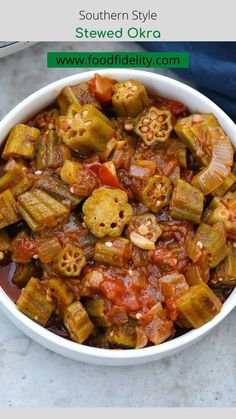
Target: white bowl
164,86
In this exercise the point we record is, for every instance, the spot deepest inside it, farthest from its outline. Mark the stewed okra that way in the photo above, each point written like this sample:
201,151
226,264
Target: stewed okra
118,216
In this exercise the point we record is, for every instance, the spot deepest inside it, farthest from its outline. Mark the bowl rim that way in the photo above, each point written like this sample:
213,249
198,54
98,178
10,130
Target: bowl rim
58,343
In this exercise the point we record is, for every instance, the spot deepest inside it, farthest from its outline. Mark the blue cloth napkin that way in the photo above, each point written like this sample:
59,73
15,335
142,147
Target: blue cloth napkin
212,69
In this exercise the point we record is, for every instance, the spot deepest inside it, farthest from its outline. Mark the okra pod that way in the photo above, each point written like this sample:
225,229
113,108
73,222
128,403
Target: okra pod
85,135
51,151
123,335
195,132
21,142
186,202
8,209
70,261
199,305
60,293
96,310
154,126
115,252
106,212
225,273
53,186
77,322
35,303
155,193
213,240
40,210
129,98
223,210
24,272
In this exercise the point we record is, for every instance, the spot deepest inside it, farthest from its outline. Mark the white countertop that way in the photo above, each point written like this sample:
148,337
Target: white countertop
31,376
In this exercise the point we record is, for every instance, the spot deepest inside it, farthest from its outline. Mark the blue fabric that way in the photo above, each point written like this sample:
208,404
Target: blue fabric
212,69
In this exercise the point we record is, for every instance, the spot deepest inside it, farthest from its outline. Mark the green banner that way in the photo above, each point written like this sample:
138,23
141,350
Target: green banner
118,59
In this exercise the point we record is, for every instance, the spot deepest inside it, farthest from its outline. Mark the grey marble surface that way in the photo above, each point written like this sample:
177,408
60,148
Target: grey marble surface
31,376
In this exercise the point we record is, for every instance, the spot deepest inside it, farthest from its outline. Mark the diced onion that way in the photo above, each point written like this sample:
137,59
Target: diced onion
141,241
210,178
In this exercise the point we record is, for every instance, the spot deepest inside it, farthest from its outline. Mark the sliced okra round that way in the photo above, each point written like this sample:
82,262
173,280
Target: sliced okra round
154,126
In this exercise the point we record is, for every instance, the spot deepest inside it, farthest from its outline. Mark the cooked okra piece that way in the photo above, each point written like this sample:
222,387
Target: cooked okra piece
114,252
156,325
52,185
195,132
225,273
96,310
123,335
154,126
23,273
35,303
104,155
51,151
47,120
199,305
106,212
70,170
5,243
186,202
85,135
87,112
21,142
173,285
144,231
8,210
213,240
223,210
225,186
77,322
40,210
60,293
66,98
129,98
76,95
70,261
199,271
156,193
15,179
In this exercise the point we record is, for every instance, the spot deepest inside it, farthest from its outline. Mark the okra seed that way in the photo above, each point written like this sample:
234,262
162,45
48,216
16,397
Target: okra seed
134,88
220,279
128,84
144,129
197,118
108,244
200,245
153,116
50,126
88,123
143,229
234,245
150,136
35,256
84,113
38,172
146,121
138,315
1,255
72,189
158,203
161,118
129,126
